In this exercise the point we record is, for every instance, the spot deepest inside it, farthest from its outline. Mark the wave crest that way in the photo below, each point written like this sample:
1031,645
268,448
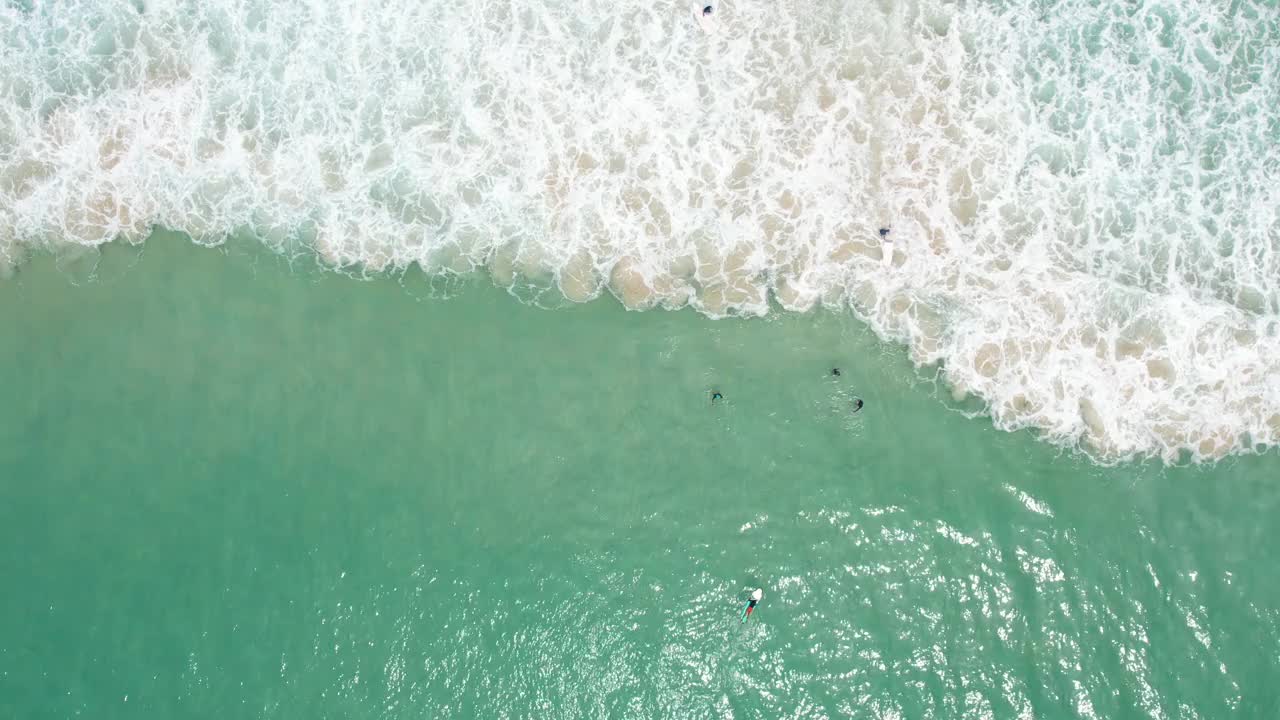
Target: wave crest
1082,199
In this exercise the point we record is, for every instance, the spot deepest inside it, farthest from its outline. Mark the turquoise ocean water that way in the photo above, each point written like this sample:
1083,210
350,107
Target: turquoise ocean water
1081,194
233,489
401,449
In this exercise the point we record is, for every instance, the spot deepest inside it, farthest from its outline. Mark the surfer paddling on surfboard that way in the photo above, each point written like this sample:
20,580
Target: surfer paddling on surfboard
706,15
756,596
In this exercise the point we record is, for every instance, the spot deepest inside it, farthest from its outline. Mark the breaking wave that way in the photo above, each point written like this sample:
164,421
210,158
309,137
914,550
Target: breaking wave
1083,197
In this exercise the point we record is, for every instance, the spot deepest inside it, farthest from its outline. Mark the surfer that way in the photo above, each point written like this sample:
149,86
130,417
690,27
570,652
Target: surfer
884,232
857,404
706,17
835,372
715,395
756,596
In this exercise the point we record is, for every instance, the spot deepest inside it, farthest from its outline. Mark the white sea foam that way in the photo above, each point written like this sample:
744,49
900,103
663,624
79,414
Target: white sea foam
1083,195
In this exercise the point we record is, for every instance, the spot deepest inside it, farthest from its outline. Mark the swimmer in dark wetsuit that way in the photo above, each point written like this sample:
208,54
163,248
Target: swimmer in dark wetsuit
715,395
756,596
857,404
706,11
835,372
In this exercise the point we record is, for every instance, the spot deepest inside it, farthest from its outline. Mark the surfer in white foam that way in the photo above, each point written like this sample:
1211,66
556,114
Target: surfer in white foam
707,18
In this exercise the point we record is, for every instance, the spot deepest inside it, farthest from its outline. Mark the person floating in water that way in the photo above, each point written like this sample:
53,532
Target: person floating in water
756,596
715,396
706,11
884,232
835,372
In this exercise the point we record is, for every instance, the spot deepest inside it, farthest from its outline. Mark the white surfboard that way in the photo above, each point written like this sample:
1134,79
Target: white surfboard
710,24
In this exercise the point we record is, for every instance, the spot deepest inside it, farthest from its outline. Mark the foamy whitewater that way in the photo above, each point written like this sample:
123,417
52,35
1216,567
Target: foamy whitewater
1083,196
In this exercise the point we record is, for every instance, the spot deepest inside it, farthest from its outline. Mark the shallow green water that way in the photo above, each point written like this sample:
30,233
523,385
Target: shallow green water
232,490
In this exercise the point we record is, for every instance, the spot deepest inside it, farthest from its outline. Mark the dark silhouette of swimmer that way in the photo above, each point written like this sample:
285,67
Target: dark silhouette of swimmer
756,596
707,10
857,404
715,395
835,372
884,232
